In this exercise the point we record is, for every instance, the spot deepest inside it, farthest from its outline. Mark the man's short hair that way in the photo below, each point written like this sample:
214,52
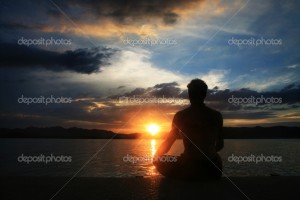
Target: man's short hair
197,89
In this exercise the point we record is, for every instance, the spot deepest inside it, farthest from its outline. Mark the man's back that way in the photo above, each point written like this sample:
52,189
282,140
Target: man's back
201,129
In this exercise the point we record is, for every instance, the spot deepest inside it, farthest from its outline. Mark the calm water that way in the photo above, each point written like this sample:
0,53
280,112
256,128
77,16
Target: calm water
115,158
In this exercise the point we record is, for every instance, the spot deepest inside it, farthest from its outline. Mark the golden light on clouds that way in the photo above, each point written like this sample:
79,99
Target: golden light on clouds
244,122
111,29
258,122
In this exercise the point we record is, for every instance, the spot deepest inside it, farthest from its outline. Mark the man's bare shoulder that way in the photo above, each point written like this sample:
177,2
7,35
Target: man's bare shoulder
183,111
213,111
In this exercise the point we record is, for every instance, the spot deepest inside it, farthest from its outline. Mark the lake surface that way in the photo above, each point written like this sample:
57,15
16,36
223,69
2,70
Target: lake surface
123,158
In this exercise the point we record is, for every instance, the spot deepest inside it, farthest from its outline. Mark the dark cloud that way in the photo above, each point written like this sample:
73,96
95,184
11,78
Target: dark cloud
166,90
289,94
170,18
87,112
127,11
121,87
53,115
16,26
162,85
249,115
218,99
76,18
85,60
159,90
138,92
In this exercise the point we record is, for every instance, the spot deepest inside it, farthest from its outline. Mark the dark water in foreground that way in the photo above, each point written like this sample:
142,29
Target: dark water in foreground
121,158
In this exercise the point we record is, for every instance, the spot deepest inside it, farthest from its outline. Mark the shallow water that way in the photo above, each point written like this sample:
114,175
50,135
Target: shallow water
119,158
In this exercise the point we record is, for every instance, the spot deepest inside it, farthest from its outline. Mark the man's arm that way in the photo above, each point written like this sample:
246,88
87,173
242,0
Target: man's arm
168,142
220,138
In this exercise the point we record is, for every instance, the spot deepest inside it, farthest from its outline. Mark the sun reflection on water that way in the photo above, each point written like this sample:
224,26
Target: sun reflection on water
153,147
152,170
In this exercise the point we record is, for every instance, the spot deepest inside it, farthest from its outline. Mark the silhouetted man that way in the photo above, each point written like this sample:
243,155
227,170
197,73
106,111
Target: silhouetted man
201,130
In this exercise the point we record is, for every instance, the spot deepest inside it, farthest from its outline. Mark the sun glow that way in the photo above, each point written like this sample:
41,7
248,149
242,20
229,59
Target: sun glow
153,129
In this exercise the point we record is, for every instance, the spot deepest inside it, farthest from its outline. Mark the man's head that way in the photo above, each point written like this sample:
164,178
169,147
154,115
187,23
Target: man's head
197,91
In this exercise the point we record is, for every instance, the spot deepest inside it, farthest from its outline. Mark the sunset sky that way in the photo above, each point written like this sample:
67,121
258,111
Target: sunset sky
95,61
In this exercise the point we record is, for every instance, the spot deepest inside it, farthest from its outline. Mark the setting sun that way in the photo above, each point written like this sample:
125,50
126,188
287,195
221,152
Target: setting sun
153,129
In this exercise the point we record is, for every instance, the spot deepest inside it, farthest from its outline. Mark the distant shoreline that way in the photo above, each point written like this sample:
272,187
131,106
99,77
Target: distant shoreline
276,132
